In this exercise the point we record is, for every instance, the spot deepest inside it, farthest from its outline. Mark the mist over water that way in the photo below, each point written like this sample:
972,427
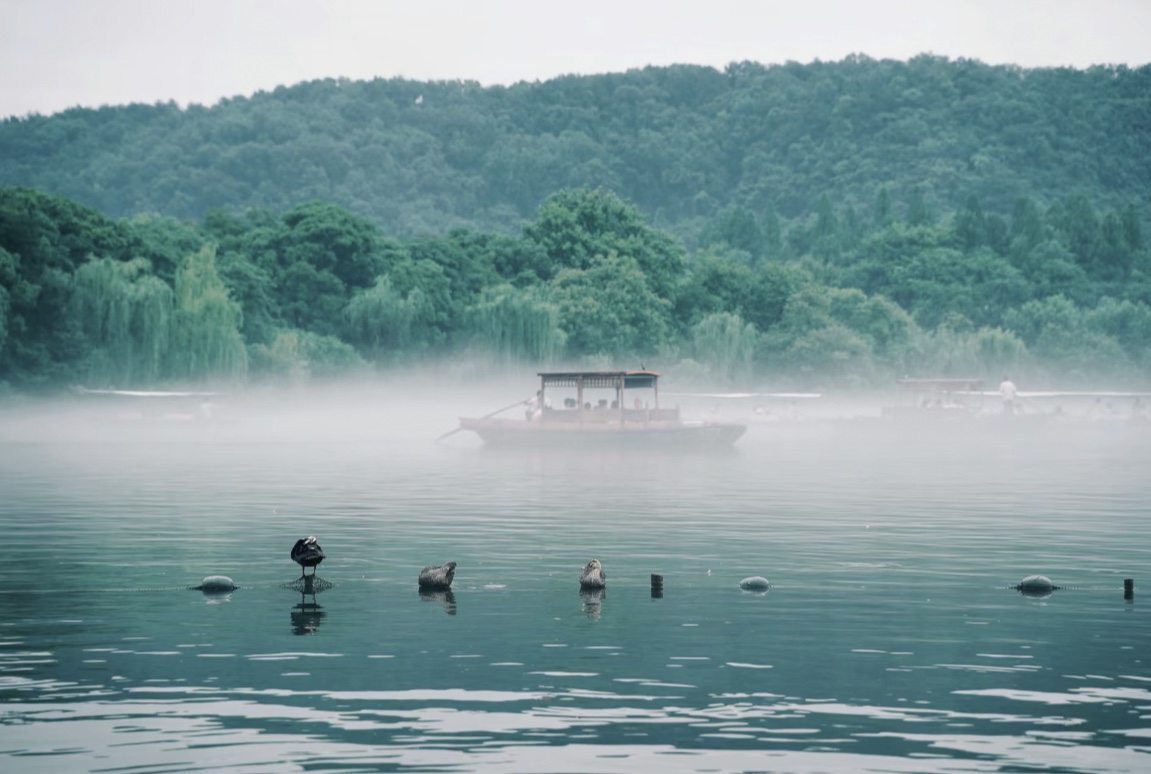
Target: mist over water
890,639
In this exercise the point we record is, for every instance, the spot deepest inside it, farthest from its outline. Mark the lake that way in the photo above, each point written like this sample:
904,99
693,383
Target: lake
890,640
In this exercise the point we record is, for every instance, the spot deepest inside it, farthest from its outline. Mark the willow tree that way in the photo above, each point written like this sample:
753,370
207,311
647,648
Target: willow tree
125,313
726,345
206,335
381,319
517,324
987,352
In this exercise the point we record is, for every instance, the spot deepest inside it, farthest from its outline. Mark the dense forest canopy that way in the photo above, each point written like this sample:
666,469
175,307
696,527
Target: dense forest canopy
833,223
682,143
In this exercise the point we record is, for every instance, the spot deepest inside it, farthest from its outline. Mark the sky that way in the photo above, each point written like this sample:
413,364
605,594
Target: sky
56,54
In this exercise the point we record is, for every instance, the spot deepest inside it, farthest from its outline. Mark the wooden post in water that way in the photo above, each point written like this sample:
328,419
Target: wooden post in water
656,586
1128,588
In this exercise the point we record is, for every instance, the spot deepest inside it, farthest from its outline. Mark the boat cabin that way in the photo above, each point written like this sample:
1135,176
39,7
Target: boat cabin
602,396
919,397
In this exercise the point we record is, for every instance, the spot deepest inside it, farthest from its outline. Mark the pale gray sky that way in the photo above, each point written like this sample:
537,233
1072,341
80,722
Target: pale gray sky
56,54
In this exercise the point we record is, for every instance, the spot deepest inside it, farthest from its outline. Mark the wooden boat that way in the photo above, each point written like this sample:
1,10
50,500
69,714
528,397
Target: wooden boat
936,399
601,408
152,406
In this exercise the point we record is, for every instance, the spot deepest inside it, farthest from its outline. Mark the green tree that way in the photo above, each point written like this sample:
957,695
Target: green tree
575,227
207,344
126,315
1057,332
726,345
919,213
382,321
609,309
44,239
810,343
295,357
517,324
738,228
317,258
881,213
971,225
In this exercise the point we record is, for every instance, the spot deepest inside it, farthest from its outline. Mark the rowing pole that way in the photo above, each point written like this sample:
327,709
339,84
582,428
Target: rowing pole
485,416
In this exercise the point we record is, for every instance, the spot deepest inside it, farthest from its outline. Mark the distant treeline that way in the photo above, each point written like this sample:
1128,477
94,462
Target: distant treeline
848,296
686,145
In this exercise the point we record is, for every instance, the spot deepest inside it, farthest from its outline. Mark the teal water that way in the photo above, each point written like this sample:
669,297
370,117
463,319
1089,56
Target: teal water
890,640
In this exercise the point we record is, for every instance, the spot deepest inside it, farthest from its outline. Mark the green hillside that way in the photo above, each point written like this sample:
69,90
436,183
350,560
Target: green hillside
804,225
683,143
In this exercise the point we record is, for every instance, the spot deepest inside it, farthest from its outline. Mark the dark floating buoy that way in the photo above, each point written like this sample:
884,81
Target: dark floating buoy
1036,586
1129,588
216,584
437,577
593,576
755,583
656,586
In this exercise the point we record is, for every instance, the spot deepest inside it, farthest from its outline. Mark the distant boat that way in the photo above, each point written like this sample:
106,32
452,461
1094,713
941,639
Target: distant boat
936,399
166,406
600,408
965,402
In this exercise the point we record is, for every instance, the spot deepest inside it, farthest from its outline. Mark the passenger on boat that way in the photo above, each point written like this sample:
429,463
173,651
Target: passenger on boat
1007,392
535,406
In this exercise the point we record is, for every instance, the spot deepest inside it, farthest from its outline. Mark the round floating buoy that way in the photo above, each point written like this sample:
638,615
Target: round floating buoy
215,584
1036,585
755,583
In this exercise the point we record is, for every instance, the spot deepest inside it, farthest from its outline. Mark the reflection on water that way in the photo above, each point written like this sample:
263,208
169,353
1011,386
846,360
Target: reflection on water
592,601
446,598
307,615
892,639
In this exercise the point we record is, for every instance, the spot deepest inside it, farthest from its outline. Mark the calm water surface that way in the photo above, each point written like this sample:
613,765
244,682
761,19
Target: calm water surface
890,640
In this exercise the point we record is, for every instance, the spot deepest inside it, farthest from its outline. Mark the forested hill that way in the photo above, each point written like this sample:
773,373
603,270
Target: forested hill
683,143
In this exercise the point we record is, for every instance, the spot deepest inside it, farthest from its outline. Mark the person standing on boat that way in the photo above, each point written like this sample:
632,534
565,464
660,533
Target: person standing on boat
535,406
1007,392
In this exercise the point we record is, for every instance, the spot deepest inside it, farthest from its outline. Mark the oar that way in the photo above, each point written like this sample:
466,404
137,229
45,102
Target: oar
485,416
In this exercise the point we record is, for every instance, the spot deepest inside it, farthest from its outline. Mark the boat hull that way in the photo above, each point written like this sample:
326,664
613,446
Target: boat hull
666,435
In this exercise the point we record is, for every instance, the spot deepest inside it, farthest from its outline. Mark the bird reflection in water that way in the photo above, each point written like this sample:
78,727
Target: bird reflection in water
592,601
307,616
447,596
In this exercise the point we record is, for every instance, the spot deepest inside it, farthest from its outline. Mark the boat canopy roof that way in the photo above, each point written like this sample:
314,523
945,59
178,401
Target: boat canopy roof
942,385
146,393
628,380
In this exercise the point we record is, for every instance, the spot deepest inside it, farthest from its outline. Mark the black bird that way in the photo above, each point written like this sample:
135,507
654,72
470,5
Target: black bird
307,553
593,576
437,578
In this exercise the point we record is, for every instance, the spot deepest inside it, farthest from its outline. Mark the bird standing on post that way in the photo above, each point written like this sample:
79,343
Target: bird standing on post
307,553
437,578
593,576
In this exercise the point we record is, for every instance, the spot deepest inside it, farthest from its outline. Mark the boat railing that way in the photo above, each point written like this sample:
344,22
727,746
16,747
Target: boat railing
610,415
